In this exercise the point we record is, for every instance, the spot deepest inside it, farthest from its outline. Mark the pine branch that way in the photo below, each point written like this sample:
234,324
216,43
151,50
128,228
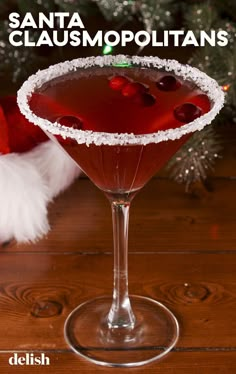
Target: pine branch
199,17
115,10
155,14
218,62
196,158
84,7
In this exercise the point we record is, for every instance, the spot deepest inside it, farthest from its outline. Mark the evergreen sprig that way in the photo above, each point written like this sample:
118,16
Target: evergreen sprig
218,62
196,158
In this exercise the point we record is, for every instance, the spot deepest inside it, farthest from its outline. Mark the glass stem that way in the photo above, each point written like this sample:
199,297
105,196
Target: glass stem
120,314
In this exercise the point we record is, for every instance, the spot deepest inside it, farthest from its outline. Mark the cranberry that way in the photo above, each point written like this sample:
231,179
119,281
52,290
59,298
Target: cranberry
202,101
145,99
71,121
168,83
118,82
187,112
133,88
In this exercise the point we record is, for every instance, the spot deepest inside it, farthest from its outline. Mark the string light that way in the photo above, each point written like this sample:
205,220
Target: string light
107,50
123,65
226,87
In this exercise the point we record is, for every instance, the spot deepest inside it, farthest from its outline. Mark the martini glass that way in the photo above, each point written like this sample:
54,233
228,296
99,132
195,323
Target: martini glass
121,119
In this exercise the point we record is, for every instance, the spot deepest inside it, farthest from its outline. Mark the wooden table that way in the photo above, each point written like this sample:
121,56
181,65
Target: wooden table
182,253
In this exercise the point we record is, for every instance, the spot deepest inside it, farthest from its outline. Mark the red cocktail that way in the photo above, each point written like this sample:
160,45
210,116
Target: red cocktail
121,119
120,100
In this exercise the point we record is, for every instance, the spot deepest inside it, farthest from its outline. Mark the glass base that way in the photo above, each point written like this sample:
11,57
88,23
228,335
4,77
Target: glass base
154,334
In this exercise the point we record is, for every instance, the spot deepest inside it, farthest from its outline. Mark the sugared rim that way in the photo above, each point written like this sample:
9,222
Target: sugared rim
204,82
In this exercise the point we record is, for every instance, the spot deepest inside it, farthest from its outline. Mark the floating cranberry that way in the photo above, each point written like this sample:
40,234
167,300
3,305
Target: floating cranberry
145,99
168,83
187,112
71,121
118,82
133,88
202,101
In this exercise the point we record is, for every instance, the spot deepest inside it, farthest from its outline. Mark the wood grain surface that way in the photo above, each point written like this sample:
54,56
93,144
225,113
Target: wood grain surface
37,294
163,219
182,253
199,362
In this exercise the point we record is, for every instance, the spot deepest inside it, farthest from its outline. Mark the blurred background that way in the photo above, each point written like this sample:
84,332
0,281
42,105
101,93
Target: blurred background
197,159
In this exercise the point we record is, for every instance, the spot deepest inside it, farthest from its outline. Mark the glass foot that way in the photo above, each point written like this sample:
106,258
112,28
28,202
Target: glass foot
154,334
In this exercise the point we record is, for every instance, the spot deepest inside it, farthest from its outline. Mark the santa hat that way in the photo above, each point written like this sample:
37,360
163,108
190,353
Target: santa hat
33,170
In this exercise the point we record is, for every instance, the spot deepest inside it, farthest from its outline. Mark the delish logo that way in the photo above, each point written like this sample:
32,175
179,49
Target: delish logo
29,359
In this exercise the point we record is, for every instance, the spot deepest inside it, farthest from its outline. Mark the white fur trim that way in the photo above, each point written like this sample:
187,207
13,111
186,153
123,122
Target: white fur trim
28,181
23,200
57,168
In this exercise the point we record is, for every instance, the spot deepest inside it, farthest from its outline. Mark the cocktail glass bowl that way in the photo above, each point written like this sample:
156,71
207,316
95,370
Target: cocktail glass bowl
118,330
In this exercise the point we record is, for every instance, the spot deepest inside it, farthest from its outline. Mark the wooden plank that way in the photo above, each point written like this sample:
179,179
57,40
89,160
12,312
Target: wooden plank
163,218
39,290
174,363
226,166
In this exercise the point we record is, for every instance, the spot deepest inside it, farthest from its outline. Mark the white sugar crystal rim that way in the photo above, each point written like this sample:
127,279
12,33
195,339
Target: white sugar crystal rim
205,83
